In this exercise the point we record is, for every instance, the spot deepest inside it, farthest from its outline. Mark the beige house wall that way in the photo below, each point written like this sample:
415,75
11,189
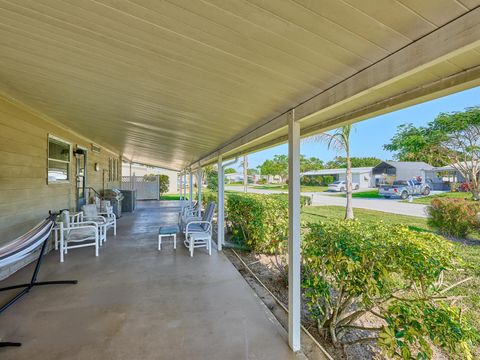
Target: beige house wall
25,195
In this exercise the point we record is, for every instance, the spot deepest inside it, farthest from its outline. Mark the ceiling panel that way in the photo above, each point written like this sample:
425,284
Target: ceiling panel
167,82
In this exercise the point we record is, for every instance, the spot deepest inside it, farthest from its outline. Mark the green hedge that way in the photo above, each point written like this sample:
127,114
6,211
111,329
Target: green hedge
259,221
317,180
454,217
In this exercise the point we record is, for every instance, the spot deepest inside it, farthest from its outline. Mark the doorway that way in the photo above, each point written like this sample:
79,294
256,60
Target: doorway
81,176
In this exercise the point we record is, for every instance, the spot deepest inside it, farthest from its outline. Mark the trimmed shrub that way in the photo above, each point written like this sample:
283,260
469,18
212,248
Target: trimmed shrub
209,196
258,221
310,180
262,220
389,272
328,179
316,180
454,217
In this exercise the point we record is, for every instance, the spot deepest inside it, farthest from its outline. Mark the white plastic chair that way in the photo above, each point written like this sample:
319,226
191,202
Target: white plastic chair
80,234
74,218
90,213
106,220
198,233
187,214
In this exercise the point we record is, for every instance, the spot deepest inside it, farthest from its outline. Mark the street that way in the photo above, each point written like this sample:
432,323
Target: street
394,206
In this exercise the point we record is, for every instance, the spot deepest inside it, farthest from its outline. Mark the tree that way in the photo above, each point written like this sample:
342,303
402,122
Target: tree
340,162
230,171
245,173
450,139
164,183
277,166
412,143
310,164
339,140
461,145
211,176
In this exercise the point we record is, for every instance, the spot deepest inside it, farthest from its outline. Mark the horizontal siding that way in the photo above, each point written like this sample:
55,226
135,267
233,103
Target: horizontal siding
25,196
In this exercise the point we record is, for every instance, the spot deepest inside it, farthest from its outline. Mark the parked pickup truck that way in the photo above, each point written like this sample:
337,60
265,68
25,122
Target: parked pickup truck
403,189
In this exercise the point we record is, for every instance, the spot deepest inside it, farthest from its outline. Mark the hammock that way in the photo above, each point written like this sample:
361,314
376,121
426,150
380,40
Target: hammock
19,249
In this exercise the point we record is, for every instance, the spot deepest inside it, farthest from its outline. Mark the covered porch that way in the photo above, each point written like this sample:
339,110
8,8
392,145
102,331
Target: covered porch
185,85
135,302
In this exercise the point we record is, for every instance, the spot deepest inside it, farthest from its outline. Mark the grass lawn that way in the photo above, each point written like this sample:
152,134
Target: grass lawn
270,187
284,187
326,213
469,254
369,194
170,197
305,188
426,200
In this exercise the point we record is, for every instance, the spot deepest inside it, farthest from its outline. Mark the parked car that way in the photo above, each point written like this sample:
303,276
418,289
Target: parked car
341,186
404,188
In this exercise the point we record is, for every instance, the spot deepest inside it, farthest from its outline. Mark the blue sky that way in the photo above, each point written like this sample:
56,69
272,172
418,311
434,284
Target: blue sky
369,135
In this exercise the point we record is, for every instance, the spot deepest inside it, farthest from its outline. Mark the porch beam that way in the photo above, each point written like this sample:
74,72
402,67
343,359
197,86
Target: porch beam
221,206
293,232
456,37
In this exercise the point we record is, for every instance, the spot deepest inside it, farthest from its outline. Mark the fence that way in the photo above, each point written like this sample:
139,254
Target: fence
148,188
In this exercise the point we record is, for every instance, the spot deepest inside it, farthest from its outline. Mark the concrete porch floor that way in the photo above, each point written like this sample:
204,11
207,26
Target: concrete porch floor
133,302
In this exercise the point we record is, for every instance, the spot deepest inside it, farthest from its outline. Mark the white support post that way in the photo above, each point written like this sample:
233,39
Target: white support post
185,185
180,186
293,232
131,180
190,192
199,188
245,173
221,206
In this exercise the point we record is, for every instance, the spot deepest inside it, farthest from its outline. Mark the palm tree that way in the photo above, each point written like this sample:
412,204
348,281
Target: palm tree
340,141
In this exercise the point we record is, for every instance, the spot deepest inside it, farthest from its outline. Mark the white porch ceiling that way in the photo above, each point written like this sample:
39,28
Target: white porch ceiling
171,82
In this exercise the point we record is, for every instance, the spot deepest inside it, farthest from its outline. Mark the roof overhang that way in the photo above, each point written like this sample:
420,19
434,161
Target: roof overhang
176,84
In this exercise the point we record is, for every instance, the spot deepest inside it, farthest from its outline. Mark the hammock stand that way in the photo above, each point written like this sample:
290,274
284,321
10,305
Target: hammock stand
49,223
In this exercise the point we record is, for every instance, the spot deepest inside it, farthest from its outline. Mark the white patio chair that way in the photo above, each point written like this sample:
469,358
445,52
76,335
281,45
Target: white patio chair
105,209
106,219
74,218
188,213
79,234
198,233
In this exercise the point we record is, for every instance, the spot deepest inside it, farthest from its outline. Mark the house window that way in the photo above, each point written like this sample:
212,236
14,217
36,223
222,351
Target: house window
58,160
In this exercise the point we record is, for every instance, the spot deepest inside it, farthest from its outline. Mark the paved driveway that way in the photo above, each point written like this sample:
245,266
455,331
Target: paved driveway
393,206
